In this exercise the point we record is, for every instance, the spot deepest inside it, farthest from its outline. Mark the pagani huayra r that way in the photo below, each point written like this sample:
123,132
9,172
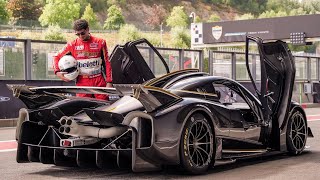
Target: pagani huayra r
185,118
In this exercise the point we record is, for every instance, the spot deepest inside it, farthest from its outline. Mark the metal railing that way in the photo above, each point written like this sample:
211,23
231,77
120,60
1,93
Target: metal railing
232,65
25,59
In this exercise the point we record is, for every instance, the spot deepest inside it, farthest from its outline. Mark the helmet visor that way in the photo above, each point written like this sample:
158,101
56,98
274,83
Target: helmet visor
69,70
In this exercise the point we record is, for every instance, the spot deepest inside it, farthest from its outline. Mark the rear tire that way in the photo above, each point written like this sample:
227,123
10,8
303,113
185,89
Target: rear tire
297,133
197,144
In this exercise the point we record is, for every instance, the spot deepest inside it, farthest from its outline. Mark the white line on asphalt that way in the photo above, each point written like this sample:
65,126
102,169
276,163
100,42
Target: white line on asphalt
313,120
7,150
7,128
314,115
7,141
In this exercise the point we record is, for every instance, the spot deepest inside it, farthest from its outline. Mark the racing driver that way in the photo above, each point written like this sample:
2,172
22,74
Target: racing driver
92,56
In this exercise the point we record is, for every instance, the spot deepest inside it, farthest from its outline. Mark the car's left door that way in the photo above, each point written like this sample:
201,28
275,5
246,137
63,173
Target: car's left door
244,124
136,62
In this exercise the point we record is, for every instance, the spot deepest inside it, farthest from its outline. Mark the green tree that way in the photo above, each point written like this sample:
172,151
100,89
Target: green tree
311,6
177,18
153,38
60,12
245,16
54,33
83,5
197,19
214,18
129,32
180,37
275,8
98,5
217,2
115,18
298,11
91,17
251,6
23,11
117,2
283,5
4,16
272,13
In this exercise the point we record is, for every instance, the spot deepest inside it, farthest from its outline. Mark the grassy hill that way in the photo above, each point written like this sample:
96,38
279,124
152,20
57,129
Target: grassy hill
136,12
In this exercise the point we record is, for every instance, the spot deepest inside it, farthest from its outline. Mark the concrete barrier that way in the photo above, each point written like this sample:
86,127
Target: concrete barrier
310,105
8,122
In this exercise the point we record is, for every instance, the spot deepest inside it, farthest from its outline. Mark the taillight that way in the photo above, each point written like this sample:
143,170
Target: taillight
66,143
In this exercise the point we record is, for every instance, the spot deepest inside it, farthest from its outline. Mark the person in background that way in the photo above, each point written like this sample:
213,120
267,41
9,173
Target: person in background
92,56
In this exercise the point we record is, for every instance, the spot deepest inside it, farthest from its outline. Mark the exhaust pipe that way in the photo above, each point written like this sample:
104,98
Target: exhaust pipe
70,127
134,114
23,116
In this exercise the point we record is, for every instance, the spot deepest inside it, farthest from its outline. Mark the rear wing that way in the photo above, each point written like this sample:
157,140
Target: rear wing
35,97
23,89
150,97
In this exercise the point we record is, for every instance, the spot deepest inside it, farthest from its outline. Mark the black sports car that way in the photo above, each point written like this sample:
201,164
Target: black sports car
186,118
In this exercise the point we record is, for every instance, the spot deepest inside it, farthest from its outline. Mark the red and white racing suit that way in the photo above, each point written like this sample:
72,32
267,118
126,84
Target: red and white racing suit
89,55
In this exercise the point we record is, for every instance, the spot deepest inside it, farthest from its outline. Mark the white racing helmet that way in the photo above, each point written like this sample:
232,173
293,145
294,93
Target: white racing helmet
70,65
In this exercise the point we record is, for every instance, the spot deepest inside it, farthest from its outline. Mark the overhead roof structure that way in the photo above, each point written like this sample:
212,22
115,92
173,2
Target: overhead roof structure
293,29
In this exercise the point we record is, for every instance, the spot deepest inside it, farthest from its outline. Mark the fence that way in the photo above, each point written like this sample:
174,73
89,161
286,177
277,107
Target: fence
25,59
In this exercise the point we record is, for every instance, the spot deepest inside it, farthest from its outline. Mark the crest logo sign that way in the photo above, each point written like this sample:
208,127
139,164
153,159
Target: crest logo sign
217,32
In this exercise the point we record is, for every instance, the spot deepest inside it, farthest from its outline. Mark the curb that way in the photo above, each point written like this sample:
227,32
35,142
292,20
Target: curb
310,105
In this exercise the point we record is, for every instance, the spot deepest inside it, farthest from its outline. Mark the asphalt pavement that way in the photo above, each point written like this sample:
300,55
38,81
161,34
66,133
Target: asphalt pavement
284,167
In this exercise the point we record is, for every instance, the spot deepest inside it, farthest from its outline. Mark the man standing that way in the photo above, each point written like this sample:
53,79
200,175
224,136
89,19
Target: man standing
92,56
